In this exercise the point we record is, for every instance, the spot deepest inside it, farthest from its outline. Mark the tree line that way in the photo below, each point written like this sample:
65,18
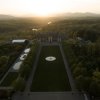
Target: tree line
84,60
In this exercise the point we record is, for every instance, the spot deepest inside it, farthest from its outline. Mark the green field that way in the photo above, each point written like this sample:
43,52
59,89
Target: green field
50,76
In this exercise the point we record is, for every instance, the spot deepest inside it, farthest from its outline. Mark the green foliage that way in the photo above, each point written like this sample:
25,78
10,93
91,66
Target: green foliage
28,62
8,54
88,29
19,28
24,71
95,84
19,84
9,79
3,61
85,64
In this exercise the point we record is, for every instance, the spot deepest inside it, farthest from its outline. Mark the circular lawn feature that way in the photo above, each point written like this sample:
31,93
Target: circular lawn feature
50,58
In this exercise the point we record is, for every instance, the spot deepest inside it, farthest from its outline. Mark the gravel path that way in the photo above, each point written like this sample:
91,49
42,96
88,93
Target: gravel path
71,80
29,82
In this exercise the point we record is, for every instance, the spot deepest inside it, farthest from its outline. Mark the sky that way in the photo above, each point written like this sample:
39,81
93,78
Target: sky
47,7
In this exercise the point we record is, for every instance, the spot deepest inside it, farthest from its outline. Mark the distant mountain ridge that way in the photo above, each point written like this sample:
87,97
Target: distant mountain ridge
2,16
61,15
78,14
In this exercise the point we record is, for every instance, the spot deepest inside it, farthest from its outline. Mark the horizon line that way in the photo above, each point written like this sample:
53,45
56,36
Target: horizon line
53,15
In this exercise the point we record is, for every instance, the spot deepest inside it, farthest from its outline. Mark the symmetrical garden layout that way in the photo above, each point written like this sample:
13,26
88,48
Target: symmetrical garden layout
50,76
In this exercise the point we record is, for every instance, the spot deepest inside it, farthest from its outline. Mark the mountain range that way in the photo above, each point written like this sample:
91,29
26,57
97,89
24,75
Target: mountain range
6,17
77,14
63,15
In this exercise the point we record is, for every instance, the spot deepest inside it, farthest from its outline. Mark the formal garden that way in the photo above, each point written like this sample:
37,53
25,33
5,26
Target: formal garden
50,75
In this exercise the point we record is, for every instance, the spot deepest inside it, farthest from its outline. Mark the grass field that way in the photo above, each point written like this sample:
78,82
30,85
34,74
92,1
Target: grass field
50,76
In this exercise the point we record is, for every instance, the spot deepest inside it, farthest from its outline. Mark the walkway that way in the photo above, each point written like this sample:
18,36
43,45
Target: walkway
29,82
50,96
71,80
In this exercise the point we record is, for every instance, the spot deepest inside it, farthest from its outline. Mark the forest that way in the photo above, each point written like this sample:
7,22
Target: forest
19,28
84,61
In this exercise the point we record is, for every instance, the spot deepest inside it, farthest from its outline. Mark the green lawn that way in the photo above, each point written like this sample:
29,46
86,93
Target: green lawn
50,76
9,79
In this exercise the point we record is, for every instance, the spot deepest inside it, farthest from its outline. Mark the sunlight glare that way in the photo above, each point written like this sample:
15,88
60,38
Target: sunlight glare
47,8
44,8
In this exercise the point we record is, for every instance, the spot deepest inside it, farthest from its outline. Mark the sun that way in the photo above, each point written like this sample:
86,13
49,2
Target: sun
45,8
42,12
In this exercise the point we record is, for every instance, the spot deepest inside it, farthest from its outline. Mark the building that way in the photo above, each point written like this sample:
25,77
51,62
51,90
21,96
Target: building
20,41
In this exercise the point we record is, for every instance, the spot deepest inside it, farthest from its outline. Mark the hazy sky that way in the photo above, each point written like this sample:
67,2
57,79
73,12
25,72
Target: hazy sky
47,7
